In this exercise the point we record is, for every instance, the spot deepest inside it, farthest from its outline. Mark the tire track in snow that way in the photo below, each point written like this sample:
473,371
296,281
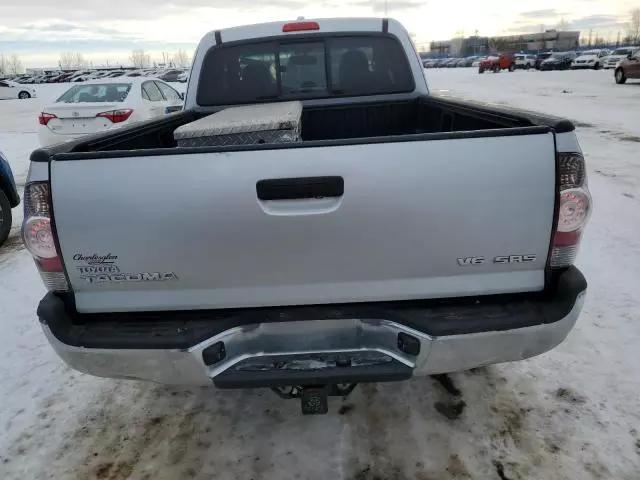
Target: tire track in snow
385,432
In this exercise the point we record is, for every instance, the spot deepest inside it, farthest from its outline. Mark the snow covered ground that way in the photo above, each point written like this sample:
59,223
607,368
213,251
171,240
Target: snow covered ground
570,414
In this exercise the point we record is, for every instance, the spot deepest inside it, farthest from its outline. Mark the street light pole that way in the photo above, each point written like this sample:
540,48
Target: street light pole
385,8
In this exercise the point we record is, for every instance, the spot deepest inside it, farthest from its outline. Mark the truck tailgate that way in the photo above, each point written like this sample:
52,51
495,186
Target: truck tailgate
349,223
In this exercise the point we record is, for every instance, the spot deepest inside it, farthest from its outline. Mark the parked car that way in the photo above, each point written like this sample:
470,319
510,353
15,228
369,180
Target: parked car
105,104
96,74
171,75
9,198
468,61
78,73
558,61
618,55
265,265
477,62
592,59
63,78
628,68
541,57
56,79
495,63
9,90
183,77
525,61
22,78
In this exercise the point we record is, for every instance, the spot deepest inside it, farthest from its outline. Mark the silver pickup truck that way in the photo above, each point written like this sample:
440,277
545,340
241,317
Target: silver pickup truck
405,234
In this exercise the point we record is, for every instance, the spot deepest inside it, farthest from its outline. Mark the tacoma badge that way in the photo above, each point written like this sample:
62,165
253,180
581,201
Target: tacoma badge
131,277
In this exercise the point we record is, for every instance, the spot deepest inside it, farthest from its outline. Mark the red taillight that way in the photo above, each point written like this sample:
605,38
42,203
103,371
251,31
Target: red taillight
573,211
300,26
116,116
38,236
50,264
45,117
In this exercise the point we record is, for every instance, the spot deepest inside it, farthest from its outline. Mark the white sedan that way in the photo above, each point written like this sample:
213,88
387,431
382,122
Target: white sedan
106,104
9,89
590,59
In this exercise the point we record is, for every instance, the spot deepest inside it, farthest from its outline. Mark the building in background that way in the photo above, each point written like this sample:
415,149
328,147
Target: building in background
528,43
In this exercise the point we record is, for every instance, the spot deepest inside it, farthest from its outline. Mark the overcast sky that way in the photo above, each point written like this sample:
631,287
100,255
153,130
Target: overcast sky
107,30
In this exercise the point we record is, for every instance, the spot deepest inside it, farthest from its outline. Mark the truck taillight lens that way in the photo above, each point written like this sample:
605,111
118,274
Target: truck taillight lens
575,205
574,209
38,235
116,116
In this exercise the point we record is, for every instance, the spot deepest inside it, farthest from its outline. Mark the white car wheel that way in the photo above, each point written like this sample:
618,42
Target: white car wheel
24,94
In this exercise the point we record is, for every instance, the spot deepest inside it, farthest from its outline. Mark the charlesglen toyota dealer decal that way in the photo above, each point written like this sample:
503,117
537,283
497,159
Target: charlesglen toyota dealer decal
104,269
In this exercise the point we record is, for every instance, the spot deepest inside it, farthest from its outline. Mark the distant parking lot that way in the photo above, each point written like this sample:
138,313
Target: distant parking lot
569,414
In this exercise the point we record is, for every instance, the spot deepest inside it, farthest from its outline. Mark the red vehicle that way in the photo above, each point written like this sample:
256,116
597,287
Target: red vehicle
495,63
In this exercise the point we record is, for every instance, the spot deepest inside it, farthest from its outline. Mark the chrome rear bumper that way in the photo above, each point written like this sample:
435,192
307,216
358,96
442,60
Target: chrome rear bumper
253,347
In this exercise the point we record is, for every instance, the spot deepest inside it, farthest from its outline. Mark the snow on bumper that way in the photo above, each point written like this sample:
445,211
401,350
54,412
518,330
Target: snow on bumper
346,349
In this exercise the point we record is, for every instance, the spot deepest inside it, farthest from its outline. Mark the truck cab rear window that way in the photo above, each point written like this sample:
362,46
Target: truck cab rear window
315,67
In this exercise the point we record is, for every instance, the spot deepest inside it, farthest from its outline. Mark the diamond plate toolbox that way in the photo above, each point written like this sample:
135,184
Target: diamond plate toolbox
246,125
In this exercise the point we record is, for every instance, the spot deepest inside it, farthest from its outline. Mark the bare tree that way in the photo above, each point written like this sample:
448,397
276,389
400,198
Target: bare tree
181,59
15,65
65,62
562,24
634,26
140,58
71,60
4,64
498,45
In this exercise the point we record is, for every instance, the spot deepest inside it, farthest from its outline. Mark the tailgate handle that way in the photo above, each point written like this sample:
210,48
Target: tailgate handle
300,188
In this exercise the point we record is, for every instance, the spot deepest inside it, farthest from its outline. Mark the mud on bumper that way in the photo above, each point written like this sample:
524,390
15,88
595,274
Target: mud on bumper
325,344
